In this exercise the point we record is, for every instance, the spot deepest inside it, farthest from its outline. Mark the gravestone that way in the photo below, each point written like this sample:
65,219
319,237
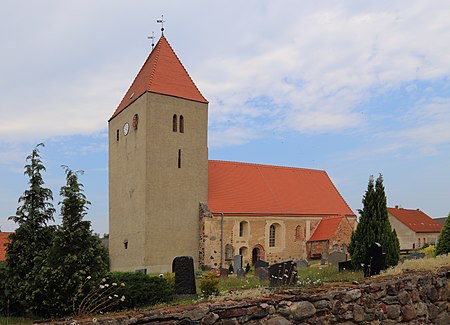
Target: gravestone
336,257
374,260
241,273
183,267
237,263
263,273
345,266
283,274
302,263
223,273
259,265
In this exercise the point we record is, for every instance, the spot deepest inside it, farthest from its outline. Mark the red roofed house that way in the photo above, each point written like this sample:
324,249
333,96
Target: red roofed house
4,239
166,199
414,228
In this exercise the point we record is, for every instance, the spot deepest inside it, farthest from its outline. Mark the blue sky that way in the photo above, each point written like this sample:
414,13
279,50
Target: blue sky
354,88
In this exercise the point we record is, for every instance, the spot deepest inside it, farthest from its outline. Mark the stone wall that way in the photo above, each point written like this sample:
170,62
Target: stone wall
414,298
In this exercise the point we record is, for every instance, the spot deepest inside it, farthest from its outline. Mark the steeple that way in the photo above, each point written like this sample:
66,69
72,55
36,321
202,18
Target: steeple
162,73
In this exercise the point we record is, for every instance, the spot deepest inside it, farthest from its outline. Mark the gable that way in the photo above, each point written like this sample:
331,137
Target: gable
235,187
326,228
415,220
162,73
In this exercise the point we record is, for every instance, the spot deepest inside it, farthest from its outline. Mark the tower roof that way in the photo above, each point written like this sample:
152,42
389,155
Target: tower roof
162,73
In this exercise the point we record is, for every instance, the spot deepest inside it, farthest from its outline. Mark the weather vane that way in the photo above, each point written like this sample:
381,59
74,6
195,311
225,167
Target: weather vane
153,39
161,21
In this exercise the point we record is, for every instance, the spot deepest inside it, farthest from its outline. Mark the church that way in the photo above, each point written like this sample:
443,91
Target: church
166,199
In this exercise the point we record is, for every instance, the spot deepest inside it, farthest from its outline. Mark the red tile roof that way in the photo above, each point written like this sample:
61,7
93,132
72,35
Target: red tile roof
416,220
242,188
162,73
326,228
3,241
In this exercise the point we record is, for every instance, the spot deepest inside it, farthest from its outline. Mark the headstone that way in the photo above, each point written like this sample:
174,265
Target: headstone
323,261
336,257
224,273
302,263
283,274
260,263
345,266
241,273
374,260
237,263
183,267
263,273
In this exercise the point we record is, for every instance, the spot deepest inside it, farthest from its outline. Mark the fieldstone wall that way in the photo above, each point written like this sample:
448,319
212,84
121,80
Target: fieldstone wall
414,298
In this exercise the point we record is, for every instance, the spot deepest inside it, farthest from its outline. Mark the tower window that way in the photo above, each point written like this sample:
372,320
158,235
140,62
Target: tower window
181,124
174,123
117,135
179,158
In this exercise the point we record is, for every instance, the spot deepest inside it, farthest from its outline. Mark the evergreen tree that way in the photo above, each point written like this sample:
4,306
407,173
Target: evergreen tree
443,244
76,253
374,226
28,245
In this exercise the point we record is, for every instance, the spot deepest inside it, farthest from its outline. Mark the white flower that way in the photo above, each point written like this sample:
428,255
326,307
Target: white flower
102,286
109,297
122,284
122,298
114,284
103,280
89,277
116,296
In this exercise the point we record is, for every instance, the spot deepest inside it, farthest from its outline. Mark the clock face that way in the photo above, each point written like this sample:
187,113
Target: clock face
126,128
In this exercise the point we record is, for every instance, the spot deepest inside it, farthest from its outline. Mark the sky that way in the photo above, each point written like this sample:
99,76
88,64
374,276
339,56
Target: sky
356,88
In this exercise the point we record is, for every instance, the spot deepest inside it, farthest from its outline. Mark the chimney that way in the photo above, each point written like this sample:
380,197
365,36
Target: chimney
396,206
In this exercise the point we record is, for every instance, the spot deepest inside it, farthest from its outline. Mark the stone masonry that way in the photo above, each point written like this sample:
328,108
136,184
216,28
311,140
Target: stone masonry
412,298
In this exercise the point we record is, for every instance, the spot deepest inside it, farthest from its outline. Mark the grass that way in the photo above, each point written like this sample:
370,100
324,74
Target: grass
425,264
15,320
326,274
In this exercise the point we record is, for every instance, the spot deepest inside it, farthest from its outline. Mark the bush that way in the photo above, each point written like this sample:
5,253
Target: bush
247,268
429,250
209,284
141,289
170,278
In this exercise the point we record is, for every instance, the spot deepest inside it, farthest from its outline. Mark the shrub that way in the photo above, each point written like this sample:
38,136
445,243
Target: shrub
209,284
141,289
247,268
170,278
429,250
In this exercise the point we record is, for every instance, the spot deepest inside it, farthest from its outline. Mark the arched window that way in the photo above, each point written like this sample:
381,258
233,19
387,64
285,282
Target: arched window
135,121
272,236
174,123
229,252
179,158
181,124
243,251
243,229
117,135
299,233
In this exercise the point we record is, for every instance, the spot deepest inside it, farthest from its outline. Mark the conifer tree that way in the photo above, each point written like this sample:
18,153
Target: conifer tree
374,226
76,253
443,243
28,245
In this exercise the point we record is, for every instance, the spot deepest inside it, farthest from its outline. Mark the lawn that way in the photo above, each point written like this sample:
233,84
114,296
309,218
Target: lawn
15,320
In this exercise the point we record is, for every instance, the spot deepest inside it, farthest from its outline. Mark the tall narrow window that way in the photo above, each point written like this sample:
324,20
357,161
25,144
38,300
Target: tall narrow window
174,123
243,229
117,135
181,124
272,234
179,158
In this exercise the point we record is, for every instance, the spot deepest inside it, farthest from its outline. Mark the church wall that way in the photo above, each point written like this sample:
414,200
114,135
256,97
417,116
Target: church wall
126,191
291,243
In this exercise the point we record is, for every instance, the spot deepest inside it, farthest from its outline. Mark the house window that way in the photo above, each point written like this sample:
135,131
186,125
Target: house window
181,124
174,123
117,135
179,158
243,229
419,243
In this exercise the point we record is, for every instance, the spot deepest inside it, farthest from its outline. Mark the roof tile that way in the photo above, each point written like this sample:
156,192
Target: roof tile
416,220
162,73
3,241
235,187
326,228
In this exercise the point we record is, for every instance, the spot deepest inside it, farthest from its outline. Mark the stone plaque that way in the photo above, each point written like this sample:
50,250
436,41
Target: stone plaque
260,263
336,257
263,273
237,263
183,267
302,263
241,273
283,274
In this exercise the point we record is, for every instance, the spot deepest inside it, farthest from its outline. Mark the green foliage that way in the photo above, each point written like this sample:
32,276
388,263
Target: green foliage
75,253
429,250
141,289
247,268
27,250
443,243
209,284
374,226
170,278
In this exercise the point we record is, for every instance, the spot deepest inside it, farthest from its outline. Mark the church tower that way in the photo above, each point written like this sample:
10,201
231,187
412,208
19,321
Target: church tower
158,166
